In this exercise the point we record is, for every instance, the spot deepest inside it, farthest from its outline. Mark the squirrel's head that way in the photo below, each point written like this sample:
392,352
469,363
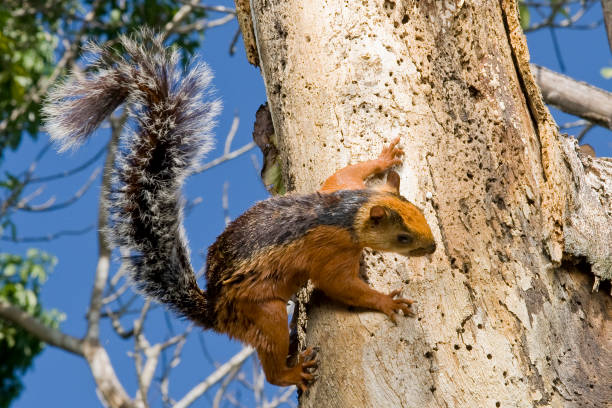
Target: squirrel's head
389,222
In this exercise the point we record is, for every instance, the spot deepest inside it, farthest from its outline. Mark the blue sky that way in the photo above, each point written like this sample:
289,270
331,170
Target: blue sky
59,379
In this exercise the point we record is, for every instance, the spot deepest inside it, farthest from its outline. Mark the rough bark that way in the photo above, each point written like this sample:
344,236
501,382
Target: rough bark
506,316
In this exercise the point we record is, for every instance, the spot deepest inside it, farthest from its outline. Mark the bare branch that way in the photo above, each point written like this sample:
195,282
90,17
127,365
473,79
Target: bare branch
225,204
49,206
232,47
576,123
584,131
191,205
12,200
236,361
112,392
140,346
231,134
116,324
25,200
115,294
225,157
73,171
219,9
204,24
569,22
221,392
280,399
33,326
124,309
180,15
574,97
146,375
139,323
234,401
104,251
205,351
102,370
37,159
175,361
49,237
258,383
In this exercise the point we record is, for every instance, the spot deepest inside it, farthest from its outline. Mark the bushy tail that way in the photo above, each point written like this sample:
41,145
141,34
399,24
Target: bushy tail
173,131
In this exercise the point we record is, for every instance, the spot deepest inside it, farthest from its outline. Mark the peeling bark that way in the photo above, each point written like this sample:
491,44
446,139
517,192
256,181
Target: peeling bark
506,316
588,226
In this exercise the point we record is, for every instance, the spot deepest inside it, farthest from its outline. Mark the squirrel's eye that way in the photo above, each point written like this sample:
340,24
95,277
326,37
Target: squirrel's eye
404,239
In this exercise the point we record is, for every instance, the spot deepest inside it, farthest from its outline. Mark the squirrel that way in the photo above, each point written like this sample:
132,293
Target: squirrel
265,255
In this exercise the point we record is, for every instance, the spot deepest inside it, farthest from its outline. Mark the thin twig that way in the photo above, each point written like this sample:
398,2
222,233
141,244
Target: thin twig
174,362
282,398
204,24
225,157
49,206
205,352
49,237
219,9
258,383
584,131
116,324
225,204
180,15
232,47
576,123
231,134
115,294
73,171
215,377
557,49
226,382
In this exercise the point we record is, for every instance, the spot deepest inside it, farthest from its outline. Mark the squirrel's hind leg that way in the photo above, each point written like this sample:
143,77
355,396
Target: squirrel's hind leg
272,345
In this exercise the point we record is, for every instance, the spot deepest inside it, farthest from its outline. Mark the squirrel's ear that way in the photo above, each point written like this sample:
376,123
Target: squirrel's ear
392,184
377,213
393,181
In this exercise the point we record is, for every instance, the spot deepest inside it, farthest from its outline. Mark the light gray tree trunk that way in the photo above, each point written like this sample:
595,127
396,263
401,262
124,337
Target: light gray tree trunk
505,313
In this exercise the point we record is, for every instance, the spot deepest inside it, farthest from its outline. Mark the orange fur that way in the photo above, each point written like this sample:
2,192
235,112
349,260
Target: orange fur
353,177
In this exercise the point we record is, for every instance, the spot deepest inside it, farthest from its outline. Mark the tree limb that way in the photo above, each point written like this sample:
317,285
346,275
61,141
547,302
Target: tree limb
574,97
104,251
44,333
111,391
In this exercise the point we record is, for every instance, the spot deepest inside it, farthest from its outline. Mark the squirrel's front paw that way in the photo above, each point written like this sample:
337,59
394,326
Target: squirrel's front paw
392,306
390,155
307,359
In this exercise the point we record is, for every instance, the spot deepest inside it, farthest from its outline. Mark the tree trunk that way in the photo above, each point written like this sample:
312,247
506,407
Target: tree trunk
505,313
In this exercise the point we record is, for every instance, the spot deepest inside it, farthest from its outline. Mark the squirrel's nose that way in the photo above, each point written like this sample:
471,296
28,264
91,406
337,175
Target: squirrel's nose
431,249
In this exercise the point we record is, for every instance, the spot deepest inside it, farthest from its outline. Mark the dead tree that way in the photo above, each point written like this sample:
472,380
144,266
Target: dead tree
506,315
